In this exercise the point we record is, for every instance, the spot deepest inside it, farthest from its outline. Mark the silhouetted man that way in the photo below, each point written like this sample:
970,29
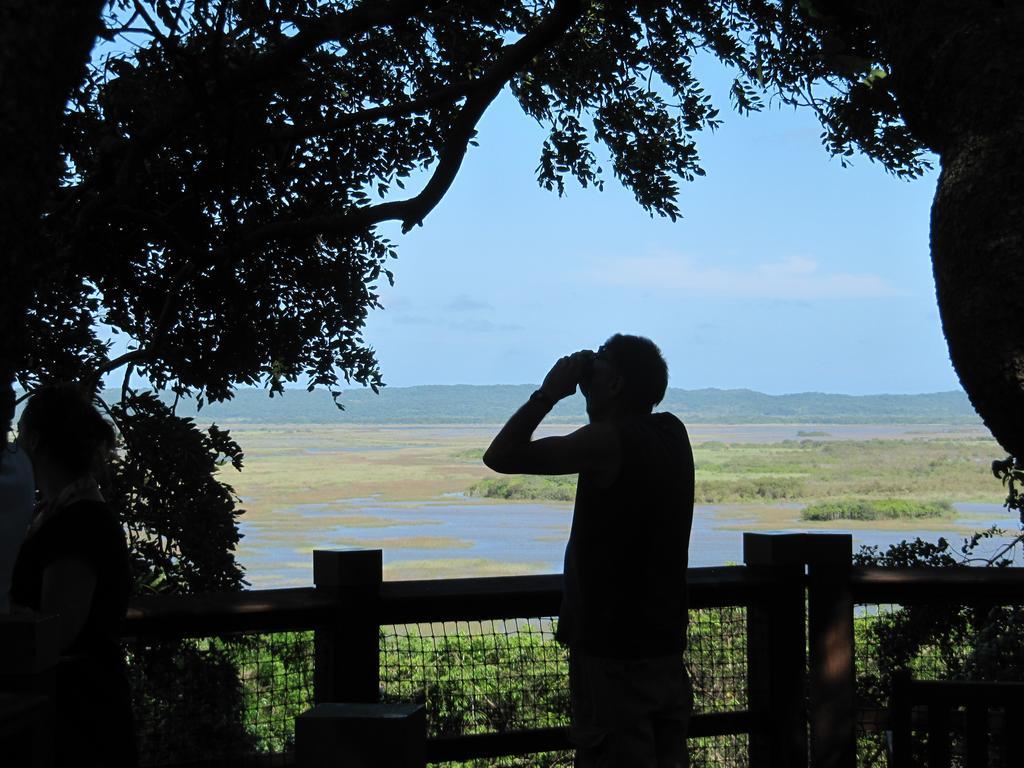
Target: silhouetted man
624,610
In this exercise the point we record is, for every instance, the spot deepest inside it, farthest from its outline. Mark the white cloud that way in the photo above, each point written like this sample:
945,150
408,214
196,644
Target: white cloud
466,303
483,326
397,303
790,278
467,325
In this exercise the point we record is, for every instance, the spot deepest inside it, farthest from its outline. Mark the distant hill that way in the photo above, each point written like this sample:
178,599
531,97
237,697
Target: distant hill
469,404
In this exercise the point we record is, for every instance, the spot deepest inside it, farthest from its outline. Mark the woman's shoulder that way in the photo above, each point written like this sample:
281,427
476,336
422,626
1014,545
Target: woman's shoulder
94,507
85,521
80,510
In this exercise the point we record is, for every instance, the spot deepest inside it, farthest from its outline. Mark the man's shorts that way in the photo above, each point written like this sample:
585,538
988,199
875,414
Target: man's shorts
632,713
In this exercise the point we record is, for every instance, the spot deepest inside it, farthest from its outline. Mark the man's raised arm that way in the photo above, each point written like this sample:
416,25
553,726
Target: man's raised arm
592,448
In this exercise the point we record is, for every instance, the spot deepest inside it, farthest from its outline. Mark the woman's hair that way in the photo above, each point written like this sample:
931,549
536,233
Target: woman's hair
70,430
6,401
6,409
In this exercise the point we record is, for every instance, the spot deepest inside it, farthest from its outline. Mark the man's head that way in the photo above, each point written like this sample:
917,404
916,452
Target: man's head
627,375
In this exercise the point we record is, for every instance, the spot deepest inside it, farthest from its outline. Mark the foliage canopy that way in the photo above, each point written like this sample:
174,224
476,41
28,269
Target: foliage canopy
226,164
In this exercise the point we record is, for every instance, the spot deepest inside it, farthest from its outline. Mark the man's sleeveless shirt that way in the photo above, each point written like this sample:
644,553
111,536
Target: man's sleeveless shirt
625,563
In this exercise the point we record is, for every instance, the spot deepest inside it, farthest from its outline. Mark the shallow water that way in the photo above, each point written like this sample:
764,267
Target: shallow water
776,433
277,552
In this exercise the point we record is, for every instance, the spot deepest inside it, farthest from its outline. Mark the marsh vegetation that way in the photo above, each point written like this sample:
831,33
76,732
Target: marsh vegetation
877,509
935,469
421,493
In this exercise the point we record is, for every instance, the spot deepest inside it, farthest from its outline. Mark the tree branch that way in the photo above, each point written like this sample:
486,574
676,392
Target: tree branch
316,32
154,29
154,222
485,89
163,324
164,319
444,95
135,356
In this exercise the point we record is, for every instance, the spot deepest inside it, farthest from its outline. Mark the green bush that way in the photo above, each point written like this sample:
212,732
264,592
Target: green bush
527,487
876,509
189,701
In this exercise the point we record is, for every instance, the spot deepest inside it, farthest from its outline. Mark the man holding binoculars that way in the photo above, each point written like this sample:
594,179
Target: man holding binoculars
624,607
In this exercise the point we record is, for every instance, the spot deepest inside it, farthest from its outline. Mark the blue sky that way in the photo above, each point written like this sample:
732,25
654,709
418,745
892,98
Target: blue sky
787,273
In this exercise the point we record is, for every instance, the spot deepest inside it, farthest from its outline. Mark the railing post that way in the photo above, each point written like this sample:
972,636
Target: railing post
776,656
347,655
833,685
361,736
29,651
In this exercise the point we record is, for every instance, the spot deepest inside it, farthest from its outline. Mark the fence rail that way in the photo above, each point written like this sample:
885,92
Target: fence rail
265,610
937,585
410,602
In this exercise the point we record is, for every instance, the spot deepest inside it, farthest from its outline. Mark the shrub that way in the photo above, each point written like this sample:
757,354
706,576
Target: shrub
527,487
876,509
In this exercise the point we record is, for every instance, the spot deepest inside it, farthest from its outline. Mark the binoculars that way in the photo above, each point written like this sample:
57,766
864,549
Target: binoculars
587,370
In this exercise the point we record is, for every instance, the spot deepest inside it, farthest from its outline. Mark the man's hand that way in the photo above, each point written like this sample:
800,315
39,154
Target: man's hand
564,375
593,448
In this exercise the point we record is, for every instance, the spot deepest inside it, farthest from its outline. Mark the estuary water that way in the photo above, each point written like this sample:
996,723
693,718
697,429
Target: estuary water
462,537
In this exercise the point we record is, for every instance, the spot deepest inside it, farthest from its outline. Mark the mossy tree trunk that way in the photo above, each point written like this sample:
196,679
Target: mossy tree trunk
957,71
978,260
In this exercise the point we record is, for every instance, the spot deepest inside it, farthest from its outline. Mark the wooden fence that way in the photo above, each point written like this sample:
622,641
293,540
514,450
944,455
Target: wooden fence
798,592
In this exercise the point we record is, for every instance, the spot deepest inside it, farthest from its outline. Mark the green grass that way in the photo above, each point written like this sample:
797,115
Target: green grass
934,469
877,509
745,489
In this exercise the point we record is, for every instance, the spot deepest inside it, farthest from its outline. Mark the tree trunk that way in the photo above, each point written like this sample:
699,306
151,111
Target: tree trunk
957,69
978,261
44,46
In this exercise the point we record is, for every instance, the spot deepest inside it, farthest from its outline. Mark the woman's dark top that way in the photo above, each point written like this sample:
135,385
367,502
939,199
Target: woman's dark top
84,530
93,701
625,592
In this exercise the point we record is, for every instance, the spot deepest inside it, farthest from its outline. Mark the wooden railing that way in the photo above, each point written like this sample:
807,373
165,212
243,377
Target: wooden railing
924,586
934,705
798,592
350,603
346,619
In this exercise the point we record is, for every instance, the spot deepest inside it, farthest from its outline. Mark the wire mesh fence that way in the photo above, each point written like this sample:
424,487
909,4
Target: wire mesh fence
510,674
560,759
200,701
717,658
728,751
210,700
204,701
478,677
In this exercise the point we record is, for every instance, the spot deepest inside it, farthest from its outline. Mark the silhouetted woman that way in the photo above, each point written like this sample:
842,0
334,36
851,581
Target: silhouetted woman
17,494
74,563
